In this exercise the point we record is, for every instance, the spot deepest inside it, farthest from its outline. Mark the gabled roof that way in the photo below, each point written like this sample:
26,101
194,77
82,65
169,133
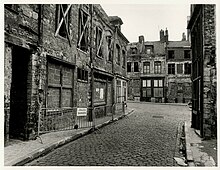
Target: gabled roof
178,44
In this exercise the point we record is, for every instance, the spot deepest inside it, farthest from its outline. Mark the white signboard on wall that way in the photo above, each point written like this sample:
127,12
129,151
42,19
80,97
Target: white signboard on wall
101,93
81,112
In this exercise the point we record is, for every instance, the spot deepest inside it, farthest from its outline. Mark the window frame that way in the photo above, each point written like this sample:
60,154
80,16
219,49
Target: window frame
136,69
118,54
123,58
82,32
146,67
178,69
171,68
129,67
99,39
82,75
63,25
61,86
157,67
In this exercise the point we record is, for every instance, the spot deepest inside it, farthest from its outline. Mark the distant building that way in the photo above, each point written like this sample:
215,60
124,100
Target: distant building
159,71
147,70
178,62
202,26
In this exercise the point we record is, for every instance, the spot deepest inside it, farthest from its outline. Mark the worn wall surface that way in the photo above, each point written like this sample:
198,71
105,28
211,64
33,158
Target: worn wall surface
34,27
21,31
210,81
158,54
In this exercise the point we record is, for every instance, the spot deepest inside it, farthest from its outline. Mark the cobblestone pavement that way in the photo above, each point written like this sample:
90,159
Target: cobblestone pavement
145,138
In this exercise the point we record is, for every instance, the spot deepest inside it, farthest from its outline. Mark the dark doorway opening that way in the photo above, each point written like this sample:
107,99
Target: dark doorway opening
18,101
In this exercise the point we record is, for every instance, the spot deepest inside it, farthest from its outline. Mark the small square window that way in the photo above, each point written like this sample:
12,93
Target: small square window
171,54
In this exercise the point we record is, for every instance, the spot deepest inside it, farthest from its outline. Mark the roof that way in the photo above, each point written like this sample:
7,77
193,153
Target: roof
178,44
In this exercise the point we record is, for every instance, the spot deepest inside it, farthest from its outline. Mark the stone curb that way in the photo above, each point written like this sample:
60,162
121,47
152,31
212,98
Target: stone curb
189,156
48,148
173,104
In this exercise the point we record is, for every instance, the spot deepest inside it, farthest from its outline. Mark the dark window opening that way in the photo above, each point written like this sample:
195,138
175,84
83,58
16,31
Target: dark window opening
98,42
123,58
128,66
187,54
82,74
118,53
171,54
109,41
171,68
187,68
157,67
83,30
136,68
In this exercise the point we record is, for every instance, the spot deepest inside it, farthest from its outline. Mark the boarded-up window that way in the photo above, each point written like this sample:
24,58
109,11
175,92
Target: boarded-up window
83,30
60,85
63,20
99,39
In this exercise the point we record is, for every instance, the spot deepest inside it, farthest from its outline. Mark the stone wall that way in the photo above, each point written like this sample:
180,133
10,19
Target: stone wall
7,88
210,114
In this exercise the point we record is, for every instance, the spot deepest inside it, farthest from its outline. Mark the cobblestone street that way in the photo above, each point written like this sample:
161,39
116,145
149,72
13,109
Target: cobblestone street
145,138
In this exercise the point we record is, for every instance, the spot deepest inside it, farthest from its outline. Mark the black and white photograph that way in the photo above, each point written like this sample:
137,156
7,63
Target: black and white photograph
110,84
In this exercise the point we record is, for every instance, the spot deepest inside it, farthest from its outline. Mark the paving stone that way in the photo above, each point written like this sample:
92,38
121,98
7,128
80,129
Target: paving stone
140,140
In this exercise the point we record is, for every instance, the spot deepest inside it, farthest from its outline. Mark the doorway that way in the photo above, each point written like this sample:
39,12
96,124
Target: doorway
18,94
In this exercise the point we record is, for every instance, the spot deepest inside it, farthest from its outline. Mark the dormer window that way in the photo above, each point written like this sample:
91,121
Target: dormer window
149,49
133,50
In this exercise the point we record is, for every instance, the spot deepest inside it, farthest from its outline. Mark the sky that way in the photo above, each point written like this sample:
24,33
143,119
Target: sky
149,19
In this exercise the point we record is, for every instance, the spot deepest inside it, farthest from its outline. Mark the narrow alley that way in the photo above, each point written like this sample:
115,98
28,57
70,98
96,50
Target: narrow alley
147,137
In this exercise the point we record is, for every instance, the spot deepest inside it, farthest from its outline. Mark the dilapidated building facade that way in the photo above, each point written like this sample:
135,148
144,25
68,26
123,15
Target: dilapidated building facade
159,71
178,62
147,70
59,58
202,26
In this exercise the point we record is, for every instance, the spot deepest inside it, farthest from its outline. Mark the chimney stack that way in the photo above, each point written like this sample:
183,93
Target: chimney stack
183,37
166,35
188,31
141,39
162,39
